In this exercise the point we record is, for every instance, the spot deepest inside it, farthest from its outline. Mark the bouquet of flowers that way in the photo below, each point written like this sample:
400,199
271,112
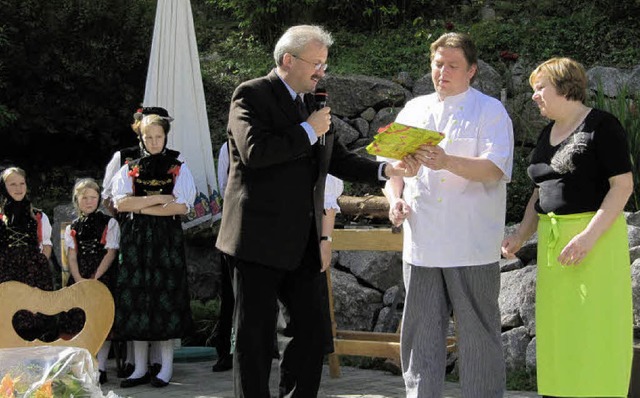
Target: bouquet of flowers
47,372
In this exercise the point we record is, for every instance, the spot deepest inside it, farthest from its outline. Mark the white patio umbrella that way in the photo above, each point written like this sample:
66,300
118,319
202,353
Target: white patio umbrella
174,82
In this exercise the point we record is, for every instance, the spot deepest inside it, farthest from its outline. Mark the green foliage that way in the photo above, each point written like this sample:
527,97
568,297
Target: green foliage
385,54
266,19
625,108
520,188
521,380
236,57
538,36
76,71
205,317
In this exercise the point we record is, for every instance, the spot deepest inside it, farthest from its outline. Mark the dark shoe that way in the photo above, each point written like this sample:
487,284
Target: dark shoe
154,369
103,376
156,382
225,362
126,383
125,371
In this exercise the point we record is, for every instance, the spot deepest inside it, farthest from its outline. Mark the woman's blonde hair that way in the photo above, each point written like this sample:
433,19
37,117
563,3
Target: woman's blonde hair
81,186
566,75
13,170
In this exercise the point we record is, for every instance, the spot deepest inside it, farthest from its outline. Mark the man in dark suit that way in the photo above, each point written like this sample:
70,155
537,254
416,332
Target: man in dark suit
281,149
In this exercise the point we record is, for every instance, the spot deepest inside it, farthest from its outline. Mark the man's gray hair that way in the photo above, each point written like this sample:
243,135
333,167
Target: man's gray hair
294,40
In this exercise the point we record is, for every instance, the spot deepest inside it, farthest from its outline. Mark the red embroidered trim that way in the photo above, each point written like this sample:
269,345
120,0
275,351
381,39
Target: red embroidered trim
103,240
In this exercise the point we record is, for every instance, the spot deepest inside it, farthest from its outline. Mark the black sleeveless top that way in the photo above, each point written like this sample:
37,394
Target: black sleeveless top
90,234
155,174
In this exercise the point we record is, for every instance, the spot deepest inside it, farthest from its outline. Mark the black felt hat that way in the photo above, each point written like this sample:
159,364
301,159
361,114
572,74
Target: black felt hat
152,110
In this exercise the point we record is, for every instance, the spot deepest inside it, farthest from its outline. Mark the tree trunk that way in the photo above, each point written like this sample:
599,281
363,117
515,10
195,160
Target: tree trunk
370,206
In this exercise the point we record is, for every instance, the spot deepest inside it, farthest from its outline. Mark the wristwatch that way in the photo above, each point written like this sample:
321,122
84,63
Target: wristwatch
327,238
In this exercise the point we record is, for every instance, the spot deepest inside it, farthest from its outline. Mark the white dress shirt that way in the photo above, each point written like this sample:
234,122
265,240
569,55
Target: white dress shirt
223,167
184,189
454,221
332,190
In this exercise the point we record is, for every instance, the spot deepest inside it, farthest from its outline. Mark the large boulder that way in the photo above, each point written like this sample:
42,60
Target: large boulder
380,270
352,94
388,320
633,82
507,265
361,125
633,218
423,86
635,286
345,133
529,249
526,118
634,235
531,355
517,298
607,80
514,344
383,118
355,306
487,80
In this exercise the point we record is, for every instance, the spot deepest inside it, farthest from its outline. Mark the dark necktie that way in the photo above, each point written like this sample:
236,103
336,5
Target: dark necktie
302,109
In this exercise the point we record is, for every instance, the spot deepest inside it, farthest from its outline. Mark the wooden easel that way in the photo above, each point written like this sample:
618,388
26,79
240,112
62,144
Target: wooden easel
368,344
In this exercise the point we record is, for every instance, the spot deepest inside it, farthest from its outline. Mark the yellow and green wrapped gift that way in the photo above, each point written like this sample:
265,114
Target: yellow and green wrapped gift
398,140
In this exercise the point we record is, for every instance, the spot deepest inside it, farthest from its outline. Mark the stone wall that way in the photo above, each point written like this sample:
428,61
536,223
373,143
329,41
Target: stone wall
368,288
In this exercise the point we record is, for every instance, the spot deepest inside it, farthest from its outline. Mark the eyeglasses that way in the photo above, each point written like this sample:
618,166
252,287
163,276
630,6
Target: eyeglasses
316,66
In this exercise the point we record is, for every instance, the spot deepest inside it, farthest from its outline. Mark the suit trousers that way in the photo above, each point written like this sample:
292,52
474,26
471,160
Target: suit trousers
472,294
222,334
258,289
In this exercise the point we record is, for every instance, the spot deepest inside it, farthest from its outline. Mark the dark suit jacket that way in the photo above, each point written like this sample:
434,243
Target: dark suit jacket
276,178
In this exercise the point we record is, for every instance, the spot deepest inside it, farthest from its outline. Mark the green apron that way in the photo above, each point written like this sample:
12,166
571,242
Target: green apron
584,319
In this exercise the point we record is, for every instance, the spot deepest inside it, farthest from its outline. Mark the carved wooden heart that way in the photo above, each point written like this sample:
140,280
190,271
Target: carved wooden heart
91,296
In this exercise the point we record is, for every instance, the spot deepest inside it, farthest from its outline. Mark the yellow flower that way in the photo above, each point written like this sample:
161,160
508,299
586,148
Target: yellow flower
6,387
45,391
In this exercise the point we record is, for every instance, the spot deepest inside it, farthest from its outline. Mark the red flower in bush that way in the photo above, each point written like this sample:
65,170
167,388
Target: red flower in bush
508,55
449,26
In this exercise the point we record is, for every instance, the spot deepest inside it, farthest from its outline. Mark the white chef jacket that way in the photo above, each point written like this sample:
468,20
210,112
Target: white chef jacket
454,221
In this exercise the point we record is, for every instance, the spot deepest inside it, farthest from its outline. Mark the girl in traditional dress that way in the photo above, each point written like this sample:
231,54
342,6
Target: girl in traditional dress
25,248
581,169
152,300
92,242
119,159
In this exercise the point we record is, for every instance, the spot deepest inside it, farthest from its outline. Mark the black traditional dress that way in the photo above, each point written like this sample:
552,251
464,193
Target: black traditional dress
21,260
152,299
88,235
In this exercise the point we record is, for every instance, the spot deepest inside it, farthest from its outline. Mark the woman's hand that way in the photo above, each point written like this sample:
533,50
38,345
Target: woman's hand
510,246
398,211
577,249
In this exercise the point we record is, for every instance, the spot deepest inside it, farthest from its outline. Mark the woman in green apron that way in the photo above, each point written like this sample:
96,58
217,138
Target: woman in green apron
581,169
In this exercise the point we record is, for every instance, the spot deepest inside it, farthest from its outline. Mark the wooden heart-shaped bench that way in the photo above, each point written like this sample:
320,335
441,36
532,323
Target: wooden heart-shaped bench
91,296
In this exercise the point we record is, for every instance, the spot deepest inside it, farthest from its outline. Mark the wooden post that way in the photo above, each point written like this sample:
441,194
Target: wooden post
369,344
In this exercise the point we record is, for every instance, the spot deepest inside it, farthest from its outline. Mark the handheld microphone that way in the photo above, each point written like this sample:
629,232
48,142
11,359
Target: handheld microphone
321,97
